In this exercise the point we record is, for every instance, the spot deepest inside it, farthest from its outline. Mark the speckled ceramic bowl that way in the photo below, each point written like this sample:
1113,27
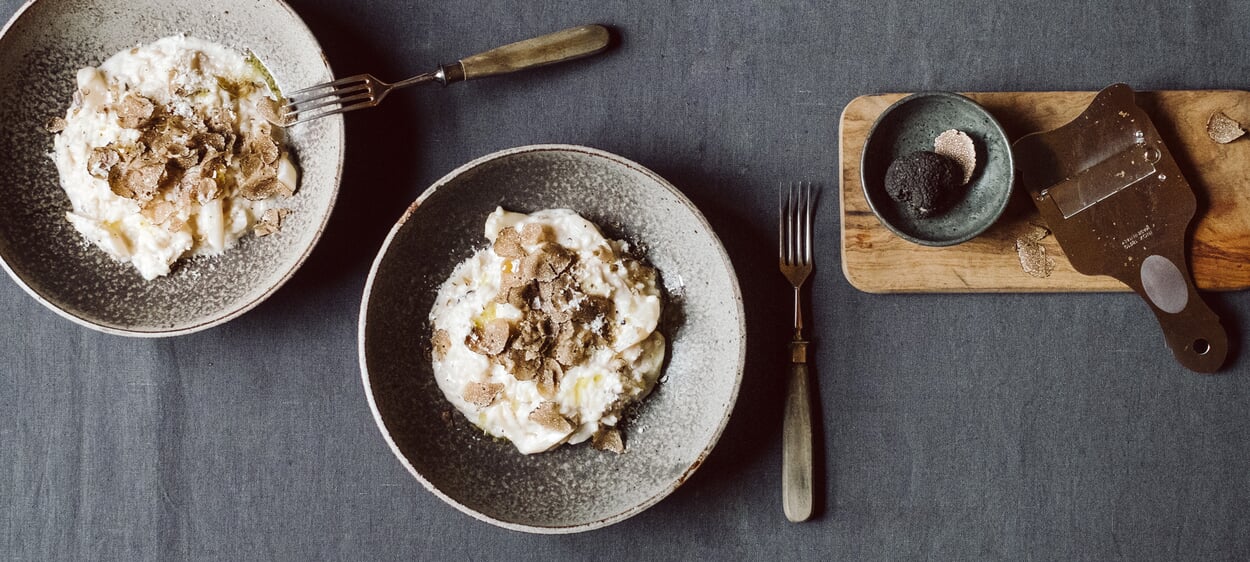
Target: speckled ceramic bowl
910,125
574,488
41,48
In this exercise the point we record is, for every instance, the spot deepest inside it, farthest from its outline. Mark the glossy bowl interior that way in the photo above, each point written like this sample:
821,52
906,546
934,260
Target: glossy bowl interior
910,125
41,48
574,488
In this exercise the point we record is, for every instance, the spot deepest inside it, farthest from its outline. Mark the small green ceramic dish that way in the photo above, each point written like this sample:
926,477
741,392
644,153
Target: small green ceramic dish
910,125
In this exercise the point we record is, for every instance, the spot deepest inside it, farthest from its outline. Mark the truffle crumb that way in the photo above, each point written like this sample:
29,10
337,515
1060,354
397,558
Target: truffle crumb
441,342
958,146
1223,129
101,160
608,440
270,222
54,125
923,182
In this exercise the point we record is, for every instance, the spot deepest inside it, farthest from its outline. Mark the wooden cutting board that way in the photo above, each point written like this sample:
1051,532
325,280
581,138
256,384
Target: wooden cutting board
876,261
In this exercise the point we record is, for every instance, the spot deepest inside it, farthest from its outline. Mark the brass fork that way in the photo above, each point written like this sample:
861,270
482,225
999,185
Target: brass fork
795,241
364,90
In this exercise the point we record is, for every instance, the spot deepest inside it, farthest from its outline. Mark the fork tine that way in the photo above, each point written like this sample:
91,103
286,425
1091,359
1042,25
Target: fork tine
789,214
785,225
344,102
296,118
338,93
797,213
807,224
364,78
781,222
800,238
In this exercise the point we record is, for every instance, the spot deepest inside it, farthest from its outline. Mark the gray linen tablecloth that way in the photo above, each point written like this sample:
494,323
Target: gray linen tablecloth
954,427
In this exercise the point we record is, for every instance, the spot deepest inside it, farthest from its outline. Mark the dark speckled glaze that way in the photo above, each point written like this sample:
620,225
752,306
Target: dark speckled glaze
910,125
42,47
574,488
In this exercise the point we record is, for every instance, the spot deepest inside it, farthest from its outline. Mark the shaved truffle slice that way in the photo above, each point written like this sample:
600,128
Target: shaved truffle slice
270,111
134,111
491,340
508,244
138,182
264,187
547,414
531,337
102,159
203,189
514,291
593,307
441,342
534,233
547,263
482,394
608,440
571,345
923,183
216,141
270,221
1033,257
497,333
264,147
549,379
521,364
957,146
157,211
556,298
558,260
1223,129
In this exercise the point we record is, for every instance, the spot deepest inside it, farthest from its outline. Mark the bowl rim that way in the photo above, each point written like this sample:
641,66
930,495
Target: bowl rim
648,502
995,212
302,26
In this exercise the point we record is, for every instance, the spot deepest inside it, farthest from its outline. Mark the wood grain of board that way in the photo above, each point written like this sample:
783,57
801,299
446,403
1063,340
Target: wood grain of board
874,260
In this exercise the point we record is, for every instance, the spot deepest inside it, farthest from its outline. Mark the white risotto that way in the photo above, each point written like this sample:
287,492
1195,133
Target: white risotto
165,152
544,338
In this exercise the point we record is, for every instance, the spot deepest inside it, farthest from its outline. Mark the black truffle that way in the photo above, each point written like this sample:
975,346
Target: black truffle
923,182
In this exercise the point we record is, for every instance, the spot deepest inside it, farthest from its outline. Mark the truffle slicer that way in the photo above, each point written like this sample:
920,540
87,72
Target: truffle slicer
1118,205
